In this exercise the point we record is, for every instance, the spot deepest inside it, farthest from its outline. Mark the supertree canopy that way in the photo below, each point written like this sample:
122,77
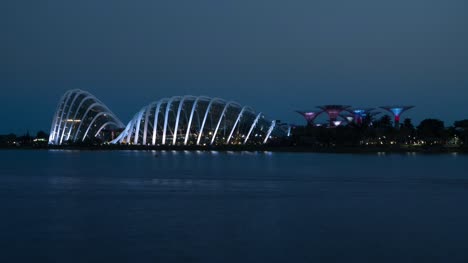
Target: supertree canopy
396,111
333,112
310,116
361,113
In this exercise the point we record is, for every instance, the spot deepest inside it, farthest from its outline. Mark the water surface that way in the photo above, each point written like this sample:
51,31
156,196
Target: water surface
136,206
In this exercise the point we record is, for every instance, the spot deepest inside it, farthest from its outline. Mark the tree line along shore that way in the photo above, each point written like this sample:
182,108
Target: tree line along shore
429,136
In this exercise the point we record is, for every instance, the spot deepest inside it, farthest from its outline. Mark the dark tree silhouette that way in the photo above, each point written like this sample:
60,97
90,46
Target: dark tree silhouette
8,139
406,132
385,122
41,135
432,131
26,139
407,124
461,130
463,124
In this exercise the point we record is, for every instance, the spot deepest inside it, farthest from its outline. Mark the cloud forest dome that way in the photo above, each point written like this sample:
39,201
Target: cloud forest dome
191,120
80,116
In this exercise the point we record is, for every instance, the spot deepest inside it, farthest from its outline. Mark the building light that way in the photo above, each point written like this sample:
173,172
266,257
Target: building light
336,123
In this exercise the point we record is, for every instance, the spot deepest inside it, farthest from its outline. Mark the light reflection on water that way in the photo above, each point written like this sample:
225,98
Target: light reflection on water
166,206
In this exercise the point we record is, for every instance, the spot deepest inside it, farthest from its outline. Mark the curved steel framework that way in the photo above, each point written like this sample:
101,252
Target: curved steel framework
396,111
80,116
191,120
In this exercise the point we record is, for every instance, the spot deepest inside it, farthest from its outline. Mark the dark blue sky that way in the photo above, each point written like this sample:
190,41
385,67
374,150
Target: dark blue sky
276,56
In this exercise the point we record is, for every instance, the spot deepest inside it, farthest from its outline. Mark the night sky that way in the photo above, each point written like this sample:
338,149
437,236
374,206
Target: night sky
276,56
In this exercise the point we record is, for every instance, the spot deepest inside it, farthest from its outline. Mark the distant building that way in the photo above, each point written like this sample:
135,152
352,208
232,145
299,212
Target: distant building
190,120
80,116
179,120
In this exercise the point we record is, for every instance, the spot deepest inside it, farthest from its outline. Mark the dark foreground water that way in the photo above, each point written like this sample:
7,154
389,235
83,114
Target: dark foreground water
124,206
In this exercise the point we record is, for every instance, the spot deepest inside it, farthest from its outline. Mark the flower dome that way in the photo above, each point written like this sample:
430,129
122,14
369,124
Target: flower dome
81,116
191,120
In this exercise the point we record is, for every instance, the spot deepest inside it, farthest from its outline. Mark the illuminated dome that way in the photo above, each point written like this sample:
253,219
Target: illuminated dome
191,120
80,116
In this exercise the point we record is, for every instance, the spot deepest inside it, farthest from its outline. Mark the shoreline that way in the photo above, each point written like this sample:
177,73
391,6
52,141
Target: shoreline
254,148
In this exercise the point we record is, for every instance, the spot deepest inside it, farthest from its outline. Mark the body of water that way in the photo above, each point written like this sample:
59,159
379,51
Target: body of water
136,206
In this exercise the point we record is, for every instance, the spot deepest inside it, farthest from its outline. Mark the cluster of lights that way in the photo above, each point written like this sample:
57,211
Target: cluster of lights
358,114
162,122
